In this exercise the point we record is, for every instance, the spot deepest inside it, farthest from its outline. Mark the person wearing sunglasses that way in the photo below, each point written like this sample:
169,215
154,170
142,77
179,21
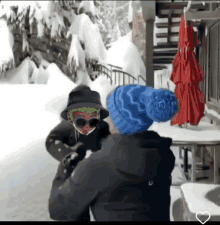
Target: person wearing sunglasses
83,122
129,179
84,119
83,128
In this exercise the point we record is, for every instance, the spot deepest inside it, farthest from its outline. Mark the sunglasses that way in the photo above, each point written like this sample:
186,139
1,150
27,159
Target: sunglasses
82,122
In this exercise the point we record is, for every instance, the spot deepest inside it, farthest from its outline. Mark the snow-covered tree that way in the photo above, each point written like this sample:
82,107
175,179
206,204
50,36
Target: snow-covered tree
70,33
39,25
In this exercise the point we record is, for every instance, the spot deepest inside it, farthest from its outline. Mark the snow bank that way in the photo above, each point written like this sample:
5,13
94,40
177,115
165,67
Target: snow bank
39,76
6,45
58,78
103,86
19,75
123,53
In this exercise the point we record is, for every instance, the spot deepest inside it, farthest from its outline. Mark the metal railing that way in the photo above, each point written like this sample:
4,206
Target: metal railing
113,72
124,73
116,67
140,77
102,69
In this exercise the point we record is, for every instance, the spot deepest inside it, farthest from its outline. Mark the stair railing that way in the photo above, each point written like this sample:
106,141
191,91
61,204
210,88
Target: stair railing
109,73
124,73
140,77
116,67
102,69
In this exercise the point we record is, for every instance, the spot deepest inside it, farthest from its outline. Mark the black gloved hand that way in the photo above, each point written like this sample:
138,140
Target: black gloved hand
71,160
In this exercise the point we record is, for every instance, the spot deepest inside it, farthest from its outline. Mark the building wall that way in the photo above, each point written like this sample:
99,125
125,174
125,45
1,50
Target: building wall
162,77
211,112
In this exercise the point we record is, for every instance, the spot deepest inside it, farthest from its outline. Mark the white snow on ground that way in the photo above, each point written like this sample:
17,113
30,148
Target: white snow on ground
27,115
202,132
29,112
25,125
23,117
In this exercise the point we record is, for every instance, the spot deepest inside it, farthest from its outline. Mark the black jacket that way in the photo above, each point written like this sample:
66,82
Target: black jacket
65,134
127,180
62,137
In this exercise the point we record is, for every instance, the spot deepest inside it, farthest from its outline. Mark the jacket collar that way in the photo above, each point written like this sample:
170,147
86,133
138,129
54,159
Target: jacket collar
147,139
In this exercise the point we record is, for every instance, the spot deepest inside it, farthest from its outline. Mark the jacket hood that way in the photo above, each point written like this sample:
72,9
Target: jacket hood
141,156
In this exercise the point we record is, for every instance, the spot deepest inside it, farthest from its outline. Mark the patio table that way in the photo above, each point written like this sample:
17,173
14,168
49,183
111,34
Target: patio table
194,145
203,135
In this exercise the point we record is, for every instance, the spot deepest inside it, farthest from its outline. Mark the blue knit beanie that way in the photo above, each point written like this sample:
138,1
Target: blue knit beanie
134,108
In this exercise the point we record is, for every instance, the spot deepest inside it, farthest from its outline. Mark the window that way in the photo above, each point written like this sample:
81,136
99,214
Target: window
214,60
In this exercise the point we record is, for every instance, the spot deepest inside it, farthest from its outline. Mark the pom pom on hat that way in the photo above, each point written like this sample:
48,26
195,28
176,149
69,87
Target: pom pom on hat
161,104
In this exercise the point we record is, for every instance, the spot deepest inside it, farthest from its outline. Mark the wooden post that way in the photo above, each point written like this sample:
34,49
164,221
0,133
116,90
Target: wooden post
169,27
193,176
215,158
148,9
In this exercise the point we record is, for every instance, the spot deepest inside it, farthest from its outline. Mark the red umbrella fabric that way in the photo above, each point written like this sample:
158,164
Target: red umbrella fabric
186,75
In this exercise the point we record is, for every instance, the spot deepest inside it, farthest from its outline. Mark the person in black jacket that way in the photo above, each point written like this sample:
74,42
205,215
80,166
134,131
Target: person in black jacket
82,129
129,179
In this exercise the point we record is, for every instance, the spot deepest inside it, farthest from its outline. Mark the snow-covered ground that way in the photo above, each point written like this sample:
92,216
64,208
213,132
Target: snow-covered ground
28,113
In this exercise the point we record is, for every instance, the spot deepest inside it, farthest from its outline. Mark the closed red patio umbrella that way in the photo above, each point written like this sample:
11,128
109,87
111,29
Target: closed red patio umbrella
186,75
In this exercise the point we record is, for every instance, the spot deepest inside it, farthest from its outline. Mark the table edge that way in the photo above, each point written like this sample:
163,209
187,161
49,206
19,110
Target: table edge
206,143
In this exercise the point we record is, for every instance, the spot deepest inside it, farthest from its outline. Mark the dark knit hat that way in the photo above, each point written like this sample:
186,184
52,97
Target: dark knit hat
134,108
82,96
